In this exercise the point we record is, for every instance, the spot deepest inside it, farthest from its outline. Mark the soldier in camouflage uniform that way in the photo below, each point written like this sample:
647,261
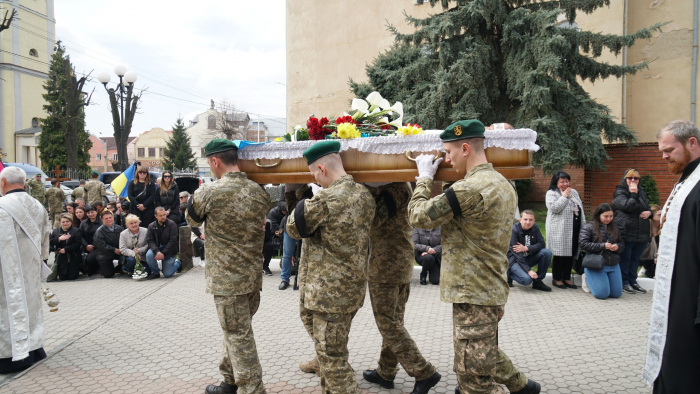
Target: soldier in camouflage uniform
79,192
476,215
95,190
234,210
36,188
55,197
389,277
335,226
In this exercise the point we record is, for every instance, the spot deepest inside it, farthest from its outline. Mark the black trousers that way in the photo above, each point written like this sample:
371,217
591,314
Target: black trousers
649,268
561,267
269,249
431,266
107,266
91,265
198,245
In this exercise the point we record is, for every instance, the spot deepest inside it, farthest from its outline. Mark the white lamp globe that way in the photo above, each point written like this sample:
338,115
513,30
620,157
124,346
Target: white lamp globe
130,77
103,77
120,70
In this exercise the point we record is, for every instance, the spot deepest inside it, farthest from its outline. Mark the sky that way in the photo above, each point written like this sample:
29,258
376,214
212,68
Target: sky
185,54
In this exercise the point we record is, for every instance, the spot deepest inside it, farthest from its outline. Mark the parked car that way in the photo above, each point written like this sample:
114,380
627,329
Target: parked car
187,182
70,184
30,170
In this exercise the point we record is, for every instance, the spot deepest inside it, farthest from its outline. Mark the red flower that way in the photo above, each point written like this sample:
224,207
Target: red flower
316,129
345,119
386,127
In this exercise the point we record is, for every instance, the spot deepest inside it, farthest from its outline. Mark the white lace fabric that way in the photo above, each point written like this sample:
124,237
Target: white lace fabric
518,139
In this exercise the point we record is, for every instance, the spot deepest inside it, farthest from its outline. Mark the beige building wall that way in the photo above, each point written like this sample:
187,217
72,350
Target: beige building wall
26,50
153,142
320,60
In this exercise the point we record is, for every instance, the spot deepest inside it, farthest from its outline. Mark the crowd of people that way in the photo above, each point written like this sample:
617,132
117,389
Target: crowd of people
462,238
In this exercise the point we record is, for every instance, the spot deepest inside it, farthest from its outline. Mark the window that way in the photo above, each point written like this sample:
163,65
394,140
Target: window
203,153
115,157
33,52
98,157
160,152
151,152
142,152
211,122
35,122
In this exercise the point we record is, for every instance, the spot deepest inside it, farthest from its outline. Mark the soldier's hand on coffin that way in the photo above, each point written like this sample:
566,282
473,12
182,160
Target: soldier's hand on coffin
426,166
290,187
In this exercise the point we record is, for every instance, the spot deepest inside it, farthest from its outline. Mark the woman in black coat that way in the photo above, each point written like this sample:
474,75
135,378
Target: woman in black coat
168,196
142,195
66,243
632,213
428,254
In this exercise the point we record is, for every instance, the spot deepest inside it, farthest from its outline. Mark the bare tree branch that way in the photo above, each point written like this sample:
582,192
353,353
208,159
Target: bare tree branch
229,123
6,22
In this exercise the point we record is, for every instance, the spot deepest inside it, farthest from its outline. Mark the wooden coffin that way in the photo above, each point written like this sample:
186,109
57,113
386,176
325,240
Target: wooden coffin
372,167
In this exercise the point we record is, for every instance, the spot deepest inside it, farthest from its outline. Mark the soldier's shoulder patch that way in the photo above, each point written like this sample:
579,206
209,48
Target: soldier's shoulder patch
439,207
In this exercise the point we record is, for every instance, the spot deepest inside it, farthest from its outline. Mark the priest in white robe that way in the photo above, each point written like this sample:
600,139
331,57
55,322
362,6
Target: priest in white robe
673,347
24,245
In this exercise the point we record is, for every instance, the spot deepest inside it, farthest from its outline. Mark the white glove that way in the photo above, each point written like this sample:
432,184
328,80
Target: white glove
426,166
290,187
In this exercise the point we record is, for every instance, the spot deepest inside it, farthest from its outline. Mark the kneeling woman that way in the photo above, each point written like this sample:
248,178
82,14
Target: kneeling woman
66,242
600,236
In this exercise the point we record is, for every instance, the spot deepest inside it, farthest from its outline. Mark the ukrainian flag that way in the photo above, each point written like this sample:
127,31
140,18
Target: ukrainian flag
119,183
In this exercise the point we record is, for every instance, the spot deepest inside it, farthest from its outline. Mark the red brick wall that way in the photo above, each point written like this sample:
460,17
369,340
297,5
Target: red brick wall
645,158
540,183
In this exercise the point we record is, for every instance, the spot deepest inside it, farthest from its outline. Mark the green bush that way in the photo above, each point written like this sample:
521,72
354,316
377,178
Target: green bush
523,187
648,183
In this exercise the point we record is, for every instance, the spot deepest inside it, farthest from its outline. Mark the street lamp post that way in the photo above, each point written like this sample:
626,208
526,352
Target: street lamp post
121,116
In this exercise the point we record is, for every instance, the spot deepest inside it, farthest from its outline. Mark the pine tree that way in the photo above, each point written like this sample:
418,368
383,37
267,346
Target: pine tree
508,61
178,151
63,130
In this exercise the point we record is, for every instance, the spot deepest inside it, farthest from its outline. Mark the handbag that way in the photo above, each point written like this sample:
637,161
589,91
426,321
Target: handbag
650,251
593,261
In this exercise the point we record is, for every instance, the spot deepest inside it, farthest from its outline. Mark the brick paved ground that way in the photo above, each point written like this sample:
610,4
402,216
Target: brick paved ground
162,336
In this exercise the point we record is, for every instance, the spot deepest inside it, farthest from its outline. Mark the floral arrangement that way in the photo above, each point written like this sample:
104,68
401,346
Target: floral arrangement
373,116
51,299
139,271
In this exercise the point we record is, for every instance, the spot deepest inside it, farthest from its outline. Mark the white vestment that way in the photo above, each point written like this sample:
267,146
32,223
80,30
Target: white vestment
24,244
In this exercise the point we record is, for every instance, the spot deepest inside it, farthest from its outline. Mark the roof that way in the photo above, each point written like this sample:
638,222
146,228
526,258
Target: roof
31,130
112,144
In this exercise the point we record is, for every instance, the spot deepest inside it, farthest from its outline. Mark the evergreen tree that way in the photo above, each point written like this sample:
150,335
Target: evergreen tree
63,130
178,151
508,61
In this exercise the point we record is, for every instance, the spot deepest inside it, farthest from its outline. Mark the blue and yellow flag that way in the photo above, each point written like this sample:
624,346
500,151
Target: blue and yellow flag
119,183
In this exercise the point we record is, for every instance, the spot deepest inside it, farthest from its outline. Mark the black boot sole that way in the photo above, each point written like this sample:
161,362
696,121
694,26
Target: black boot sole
431,382
387,384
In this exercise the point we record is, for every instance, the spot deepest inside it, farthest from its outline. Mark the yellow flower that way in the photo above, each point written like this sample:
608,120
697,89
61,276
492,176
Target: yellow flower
278,139
348,130
410,129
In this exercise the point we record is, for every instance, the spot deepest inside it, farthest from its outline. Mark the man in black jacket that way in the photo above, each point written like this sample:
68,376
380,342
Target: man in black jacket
106,241
526,251
163,243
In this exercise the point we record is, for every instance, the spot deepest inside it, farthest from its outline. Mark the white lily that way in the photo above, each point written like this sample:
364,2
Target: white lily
376,100
398,122
359,105
397,108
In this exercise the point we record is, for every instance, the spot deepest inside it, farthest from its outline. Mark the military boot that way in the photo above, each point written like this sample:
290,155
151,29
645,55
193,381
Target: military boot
423,386
310,367
423,275
372,376
224,388
531,387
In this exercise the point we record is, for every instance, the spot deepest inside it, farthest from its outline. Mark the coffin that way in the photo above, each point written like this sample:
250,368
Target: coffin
386,159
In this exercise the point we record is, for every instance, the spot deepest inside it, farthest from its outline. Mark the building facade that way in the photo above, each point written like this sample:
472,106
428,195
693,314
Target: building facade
98,154
27,146
150,146
203,128
644,102
25,52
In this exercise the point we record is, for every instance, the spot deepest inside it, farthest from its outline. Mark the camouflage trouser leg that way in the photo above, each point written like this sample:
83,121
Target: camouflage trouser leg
55,219
331,332
479,363
307,316
239,356
389,305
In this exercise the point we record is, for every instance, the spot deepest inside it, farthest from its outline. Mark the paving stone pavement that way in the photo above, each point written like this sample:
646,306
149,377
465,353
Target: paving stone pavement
163,336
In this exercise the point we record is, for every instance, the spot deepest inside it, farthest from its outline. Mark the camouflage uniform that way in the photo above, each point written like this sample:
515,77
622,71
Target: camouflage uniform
389,276
473,272
234,210
55,197
79,192
335,252
37,189
94,191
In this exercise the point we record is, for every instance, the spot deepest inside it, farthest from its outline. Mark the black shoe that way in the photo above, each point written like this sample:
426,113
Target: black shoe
224,388
153,276
531,387
284,285
422,278
628,289
423,386
372,376
638,288
457,390
561,286
539,285
267,271
510,282
570,286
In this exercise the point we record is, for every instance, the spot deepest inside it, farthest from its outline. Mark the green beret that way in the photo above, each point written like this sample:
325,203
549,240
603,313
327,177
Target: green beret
320,149
219,145
95,173
463,129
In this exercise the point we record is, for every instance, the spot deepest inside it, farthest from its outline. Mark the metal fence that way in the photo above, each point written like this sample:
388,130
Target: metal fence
70,173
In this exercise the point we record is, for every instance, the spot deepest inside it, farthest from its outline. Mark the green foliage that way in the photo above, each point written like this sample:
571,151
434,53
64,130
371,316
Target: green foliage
648,183
52,140
508,60
302,135
178,150
523,187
